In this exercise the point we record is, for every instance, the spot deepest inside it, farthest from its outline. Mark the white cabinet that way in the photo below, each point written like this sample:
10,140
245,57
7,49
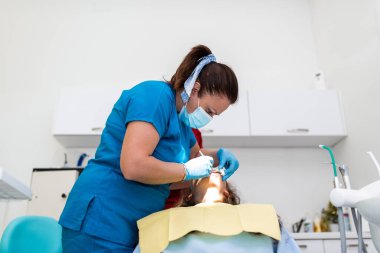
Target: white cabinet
258,119
296,118
310,246
333,246
50,189
329,242
81,114
231,128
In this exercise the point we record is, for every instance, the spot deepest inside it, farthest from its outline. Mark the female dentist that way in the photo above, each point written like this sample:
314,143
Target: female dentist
147,144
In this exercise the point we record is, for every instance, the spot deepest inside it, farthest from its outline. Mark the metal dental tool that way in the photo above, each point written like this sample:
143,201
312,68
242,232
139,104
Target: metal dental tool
357,218
222,171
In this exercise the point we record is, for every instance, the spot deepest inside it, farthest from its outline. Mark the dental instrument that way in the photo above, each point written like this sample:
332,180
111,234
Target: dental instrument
340,209
222,171
374,161
344,171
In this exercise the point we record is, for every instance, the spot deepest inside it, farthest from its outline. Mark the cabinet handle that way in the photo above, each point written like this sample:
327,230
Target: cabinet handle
356,245
302,246
63,195
298,130
207,131
96,129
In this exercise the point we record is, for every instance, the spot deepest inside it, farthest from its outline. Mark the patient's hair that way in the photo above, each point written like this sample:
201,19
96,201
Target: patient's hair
232,198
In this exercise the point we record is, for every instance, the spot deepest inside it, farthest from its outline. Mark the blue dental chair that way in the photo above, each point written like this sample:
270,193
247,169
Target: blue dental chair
31,234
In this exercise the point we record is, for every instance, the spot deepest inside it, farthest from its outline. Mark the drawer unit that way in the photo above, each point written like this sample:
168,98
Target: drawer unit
333,246
50,188
310,246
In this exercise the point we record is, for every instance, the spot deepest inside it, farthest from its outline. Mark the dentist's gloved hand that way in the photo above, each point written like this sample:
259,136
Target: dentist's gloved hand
228,161
198,167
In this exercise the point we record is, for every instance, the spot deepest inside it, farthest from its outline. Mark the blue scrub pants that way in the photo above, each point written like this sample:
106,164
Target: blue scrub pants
78,241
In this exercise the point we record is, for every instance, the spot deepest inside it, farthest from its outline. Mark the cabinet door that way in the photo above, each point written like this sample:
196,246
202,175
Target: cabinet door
234,121
83,111
50,190
293,113
310,246
231,128
333,246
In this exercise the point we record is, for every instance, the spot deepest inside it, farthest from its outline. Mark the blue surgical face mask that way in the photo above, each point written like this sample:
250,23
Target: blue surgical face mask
197,119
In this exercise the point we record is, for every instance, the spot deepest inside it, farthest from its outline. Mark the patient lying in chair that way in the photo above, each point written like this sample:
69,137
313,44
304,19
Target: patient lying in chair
211,219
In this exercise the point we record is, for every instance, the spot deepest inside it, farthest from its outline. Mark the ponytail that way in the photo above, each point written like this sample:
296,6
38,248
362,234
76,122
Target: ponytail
188,65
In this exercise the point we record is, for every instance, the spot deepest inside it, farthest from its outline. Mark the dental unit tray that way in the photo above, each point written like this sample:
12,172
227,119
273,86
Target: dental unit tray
11,188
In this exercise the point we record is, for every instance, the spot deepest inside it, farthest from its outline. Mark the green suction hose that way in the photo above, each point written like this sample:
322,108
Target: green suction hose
332,158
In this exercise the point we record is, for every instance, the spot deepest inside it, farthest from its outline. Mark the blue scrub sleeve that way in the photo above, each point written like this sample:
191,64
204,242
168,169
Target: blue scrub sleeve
152,107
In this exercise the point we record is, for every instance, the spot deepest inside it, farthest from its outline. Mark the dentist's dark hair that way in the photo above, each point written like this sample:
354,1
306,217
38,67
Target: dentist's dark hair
215,78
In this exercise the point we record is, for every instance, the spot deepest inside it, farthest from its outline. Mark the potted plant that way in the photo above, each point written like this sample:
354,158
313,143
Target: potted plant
329,220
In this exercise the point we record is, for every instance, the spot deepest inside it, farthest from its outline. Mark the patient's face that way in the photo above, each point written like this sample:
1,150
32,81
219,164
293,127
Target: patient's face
210,189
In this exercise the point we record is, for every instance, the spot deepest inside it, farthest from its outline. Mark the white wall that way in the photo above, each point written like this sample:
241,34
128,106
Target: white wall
347,36
46,45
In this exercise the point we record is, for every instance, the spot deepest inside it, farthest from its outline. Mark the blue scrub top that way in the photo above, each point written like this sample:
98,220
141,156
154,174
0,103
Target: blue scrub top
102,202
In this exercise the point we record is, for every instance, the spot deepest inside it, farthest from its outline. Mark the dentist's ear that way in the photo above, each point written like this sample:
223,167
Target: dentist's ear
196,88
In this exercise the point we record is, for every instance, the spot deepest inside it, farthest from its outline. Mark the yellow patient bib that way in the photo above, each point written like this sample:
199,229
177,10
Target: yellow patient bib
158,229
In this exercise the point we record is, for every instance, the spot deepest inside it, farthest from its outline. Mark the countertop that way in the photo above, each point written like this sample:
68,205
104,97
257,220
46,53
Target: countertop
327,235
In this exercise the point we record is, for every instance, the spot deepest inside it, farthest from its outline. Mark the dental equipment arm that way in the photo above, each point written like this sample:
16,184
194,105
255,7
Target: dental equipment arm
366,201
340,209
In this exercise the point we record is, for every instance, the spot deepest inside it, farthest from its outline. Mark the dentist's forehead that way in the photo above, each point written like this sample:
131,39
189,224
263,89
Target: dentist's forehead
217,102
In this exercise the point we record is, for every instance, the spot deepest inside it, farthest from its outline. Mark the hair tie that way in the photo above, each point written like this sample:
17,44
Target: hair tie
189,83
